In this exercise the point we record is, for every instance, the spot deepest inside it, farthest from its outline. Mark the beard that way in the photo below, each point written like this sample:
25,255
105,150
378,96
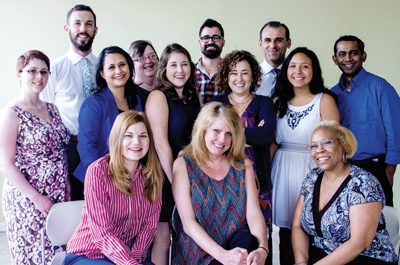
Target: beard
84,47
211,54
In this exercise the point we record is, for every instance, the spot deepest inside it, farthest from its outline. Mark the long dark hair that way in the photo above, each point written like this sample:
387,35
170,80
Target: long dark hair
162,82
284,90
130,87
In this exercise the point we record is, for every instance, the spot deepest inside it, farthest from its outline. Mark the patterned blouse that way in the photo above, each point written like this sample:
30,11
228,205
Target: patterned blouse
219,207
331,226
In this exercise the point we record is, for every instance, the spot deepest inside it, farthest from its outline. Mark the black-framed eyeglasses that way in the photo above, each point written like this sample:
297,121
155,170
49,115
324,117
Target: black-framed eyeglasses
214,38
142,59
325,144
35,72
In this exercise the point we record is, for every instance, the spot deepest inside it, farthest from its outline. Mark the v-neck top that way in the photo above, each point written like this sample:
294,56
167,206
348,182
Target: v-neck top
330,226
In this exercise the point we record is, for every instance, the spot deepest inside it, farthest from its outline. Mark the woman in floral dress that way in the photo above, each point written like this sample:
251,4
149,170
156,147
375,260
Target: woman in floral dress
33,143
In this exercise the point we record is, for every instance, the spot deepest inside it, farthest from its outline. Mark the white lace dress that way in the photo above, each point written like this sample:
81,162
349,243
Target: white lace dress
292,161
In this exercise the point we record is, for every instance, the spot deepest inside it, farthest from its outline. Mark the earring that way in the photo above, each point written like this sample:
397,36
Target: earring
344,157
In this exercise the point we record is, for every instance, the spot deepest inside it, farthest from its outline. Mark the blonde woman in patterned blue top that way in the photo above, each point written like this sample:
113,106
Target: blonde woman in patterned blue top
340,206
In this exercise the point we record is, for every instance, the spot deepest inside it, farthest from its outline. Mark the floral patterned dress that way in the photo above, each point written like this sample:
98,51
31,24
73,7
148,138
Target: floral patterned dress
42,159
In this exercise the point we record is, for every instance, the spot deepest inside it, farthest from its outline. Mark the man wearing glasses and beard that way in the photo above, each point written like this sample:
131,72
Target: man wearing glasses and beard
72,80
211,43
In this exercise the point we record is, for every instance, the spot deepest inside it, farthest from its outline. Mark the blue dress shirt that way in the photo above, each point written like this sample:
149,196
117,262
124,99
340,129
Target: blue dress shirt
371,110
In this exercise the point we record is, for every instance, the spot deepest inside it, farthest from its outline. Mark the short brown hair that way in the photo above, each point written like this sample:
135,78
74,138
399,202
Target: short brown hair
28,56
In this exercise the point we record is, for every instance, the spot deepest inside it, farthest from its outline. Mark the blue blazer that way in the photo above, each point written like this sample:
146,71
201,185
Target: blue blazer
96,117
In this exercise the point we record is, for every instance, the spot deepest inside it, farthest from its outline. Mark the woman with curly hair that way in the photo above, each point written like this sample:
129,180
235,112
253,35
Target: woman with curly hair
238,77
171,109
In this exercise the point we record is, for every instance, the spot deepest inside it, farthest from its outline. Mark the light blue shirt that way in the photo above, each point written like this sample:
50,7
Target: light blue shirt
371,110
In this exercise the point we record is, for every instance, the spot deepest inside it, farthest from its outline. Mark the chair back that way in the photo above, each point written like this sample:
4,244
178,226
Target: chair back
61,223
392,218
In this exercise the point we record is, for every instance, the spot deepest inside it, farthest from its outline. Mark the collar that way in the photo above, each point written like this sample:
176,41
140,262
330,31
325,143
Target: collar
354,81
199,65
266,67
75,57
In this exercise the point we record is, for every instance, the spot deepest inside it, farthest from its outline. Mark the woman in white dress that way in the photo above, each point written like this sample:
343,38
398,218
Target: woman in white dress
301,101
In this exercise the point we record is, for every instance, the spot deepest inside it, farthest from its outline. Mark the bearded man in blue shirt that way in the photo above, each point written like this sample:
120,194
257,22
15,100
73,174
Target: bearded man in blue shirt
370,107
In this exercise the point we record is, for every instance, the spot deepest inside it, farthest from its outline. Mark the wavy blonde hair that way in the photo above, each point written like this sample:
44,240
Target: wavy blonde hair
152,174
346,138
197,148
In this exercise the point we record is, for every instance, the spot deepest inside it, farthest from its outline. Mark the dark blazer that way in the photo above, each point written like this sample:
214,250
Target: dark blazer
96,117
260,138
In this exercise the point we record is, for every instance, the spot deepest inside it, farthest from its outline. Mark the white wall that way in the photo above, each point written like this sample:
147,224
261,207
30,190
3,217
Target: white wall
313,23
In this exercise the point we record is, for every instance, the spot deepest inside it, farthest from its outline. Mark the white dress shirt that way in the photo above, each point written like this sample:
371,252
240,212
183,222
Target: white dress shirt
268,80
65,87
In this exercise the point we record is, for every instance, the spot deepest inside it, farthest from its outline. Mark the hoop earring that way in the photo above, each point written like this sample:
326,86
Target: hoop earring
344,157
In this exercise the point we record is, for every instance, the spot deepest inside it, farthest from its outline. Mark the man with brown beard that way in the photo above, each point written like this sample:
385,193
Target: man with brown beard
73,79
211,43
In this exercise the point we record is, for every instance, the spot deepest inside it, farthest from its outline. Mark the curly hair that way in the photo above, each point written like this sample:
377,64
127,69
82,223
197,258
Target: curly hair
229,61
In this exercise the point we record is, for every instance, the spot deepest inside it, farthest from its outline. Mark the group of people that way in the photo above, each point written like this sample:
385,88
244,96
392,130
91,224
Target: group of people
216,151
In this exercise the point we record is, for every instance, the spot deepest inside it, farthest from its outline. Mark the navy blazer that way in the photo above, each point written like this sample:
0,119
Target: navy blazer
260,138
96,117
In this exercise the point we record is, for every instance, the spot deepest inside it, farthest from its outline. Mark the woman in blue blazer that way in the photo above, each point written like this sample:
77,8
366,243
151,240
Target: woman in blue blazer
117,93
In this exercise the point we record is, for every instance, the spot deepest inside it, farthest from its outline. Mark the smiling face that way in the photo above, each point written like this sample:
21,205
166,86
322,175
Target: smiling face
30,78
211,49
135,143
300,71
274,44
146,65
178,69
328,154
115,71
81,29
240,78
218,137
349,57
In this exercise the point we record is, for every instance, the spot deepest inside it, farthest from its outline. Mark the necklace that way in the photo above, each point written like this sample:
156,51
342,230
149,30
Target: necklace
247,99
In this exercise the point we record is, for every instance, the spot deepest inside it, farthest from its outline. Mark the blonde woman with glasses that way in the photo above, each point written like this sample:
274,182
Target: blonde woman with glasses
339,207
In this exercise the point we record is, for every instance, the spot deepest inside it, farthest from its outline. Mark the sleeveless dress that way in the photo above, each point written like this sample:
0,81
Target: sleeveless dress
219,207
292,161
42,159
181,118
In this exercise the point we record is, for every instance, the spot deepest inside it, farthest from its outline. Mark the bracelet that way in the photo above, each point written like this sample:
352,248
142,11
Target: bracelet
266,250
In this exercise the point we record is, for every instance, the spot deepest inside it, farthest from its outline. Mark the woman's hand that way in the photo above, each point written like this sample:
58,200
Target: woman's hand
257,257
236,256
43,204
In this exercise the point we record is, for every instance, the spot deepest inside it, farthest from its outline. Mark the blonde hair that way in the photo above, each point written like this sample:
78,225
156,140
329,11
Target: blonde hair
152,174
346,138
197,148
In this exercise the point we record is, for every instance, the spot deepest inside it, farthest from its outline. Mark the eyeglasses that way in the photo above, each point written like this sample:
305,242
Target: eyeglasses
326,144
35,72
214,38
151,57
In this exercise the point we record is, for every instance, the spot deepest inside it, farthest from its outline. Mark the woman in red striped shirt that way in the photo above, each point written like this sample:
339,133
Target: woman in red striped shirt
122,199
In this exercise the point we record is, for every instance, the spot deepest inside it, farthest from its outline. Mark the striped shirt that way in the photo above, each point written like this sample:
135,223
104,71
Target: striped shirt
111,220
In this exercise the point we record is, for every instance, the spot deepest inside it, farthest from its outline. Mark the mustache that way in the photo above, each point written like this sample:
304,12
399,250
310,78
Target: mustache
211,45
84,34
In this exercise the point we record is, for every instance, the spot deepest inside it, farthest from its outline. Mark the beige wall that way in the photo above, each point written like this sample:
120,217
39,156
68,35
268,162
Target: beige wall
313,23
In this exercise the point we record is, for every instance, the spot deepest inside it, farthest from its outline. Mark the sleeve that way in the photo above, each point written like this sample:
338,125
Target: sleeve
308,183
365,188
90,122
264,111
148,231
98,209
390,105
